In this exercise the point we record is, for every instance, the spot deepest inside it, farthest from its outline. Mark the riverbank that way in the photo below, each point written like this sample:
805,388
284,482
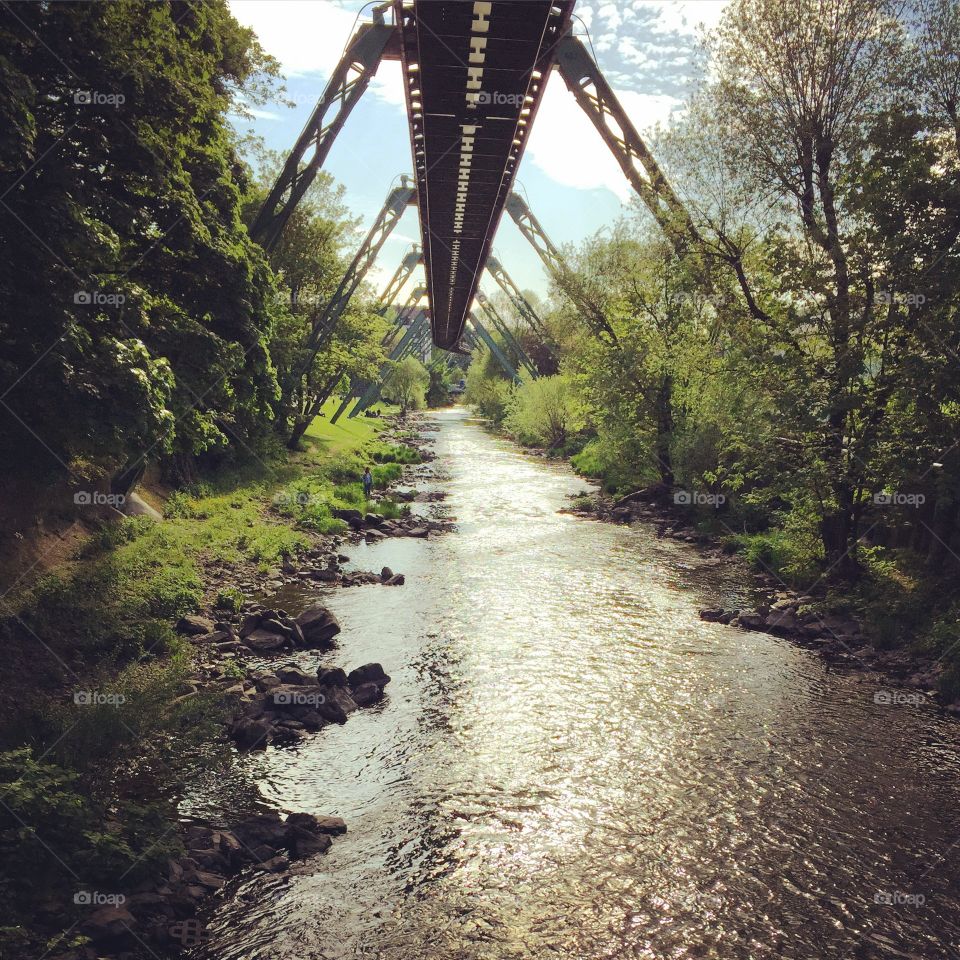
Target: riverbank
132,663
816,618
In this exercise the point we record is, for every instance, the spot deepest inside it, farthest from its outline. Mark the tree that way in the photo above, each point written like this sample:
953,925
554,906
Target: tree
407,382
137,310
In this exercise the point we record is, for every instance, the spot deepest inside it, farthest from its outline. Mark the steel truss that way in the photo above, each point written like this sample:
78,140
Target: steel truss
366,48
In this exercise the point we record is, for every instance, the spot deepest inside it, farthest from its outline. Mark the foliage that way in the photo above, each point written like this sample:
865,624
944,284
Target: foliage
137,310
407,384
542,412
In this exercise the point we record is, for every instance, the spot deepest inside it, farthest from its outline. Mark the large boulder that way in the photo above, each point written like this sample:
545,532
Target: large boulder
109,923
711,614
331,677
194,626
292,674
365,694
337,703
251,733
368,673
266,640
318,624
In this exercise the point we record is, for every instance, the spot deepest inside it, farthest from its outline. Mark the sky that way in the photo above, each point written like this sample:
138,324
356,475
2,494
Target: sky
648,51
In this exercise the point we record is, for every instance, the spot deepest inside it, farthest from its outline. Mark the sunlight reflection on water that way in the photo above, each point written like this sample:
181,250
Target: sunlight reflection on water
570,763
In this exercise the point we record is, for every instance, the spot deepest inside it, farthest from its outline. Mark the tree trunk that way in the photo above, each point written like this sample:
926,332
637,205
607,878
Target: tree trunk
665,430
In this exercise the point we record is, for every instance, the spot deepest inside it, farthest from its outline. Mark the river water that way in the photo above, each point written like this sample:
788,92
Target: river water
570,764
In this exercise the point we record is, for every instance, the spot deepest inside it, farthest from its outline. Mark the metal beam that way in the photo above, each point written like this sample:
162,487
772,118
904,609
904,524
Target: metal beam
494,348
347,83
323,324
520,302
500,325
418,329
403,273
598,101
530,227
405,311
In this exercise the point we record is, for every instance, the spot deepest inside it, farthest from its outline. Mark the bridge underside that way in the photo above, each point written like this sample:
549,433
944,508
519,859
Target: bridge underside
474,74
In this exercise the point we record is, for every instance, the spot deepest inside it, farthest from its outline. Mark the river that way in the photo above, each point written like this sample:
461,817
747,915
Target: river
570,764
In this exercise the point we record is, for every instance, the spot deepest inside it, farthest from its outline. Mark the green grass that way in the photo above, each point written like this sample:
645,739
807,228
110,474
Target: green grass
346,435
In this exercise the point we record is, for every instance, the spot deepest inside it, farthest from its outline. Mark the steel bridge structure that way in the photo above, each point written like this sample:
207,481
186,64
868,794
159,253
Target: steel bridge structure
474,74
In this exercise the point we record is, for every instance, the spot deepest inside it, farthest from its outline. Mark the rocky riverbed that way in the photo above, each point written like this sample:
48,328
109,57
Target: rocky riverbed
251,658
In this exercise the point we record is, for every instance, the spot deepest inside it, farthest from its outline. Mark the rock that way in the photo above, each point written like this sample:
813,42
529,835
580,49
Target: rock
249,623
314,824
418,532
297,698
288,566
372,536
312,720
325,576
308,845
368,673
729,616
267,682
750,621
109,923
385,574
263,833
398,580
711,614
350,516
292,674
216,637
194,626
331,677
337,703
250,734
318,624
275,864
784,622
263,640
365,694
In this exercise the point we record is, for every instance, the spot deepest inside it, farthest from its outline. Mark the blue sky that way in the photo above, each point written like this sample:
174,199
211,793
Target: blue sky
647,50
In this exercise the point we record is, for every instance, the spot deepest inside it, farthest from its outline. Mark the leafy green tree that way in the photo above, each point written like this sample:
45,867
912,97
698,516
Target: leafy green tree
137,309
407,384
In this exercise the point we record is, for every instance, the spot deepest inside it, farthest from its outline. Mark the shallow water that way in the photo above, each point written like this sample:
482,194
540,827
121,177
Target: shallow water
569,763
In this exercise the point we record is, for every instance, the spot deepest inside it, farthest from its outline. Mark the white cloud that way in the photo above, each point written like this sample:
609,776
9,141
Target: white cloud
309,38
567,147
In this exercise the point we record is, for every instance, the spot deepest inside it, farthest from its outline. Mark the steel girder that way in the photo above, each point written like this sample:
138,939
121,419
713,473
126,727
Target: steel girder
598,101
367,47
492,345
403,273
500,325
404,313
520,302
417,330
397,201
530,227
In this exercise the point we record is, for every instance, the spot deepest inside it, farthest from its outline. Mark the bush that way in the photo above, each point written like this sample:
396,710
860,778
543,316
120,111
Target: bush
542,412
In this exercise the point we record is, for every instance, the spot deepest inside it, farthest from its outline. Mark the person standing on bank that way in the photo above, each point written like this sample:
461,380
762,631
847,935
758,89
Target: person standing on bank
367,483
